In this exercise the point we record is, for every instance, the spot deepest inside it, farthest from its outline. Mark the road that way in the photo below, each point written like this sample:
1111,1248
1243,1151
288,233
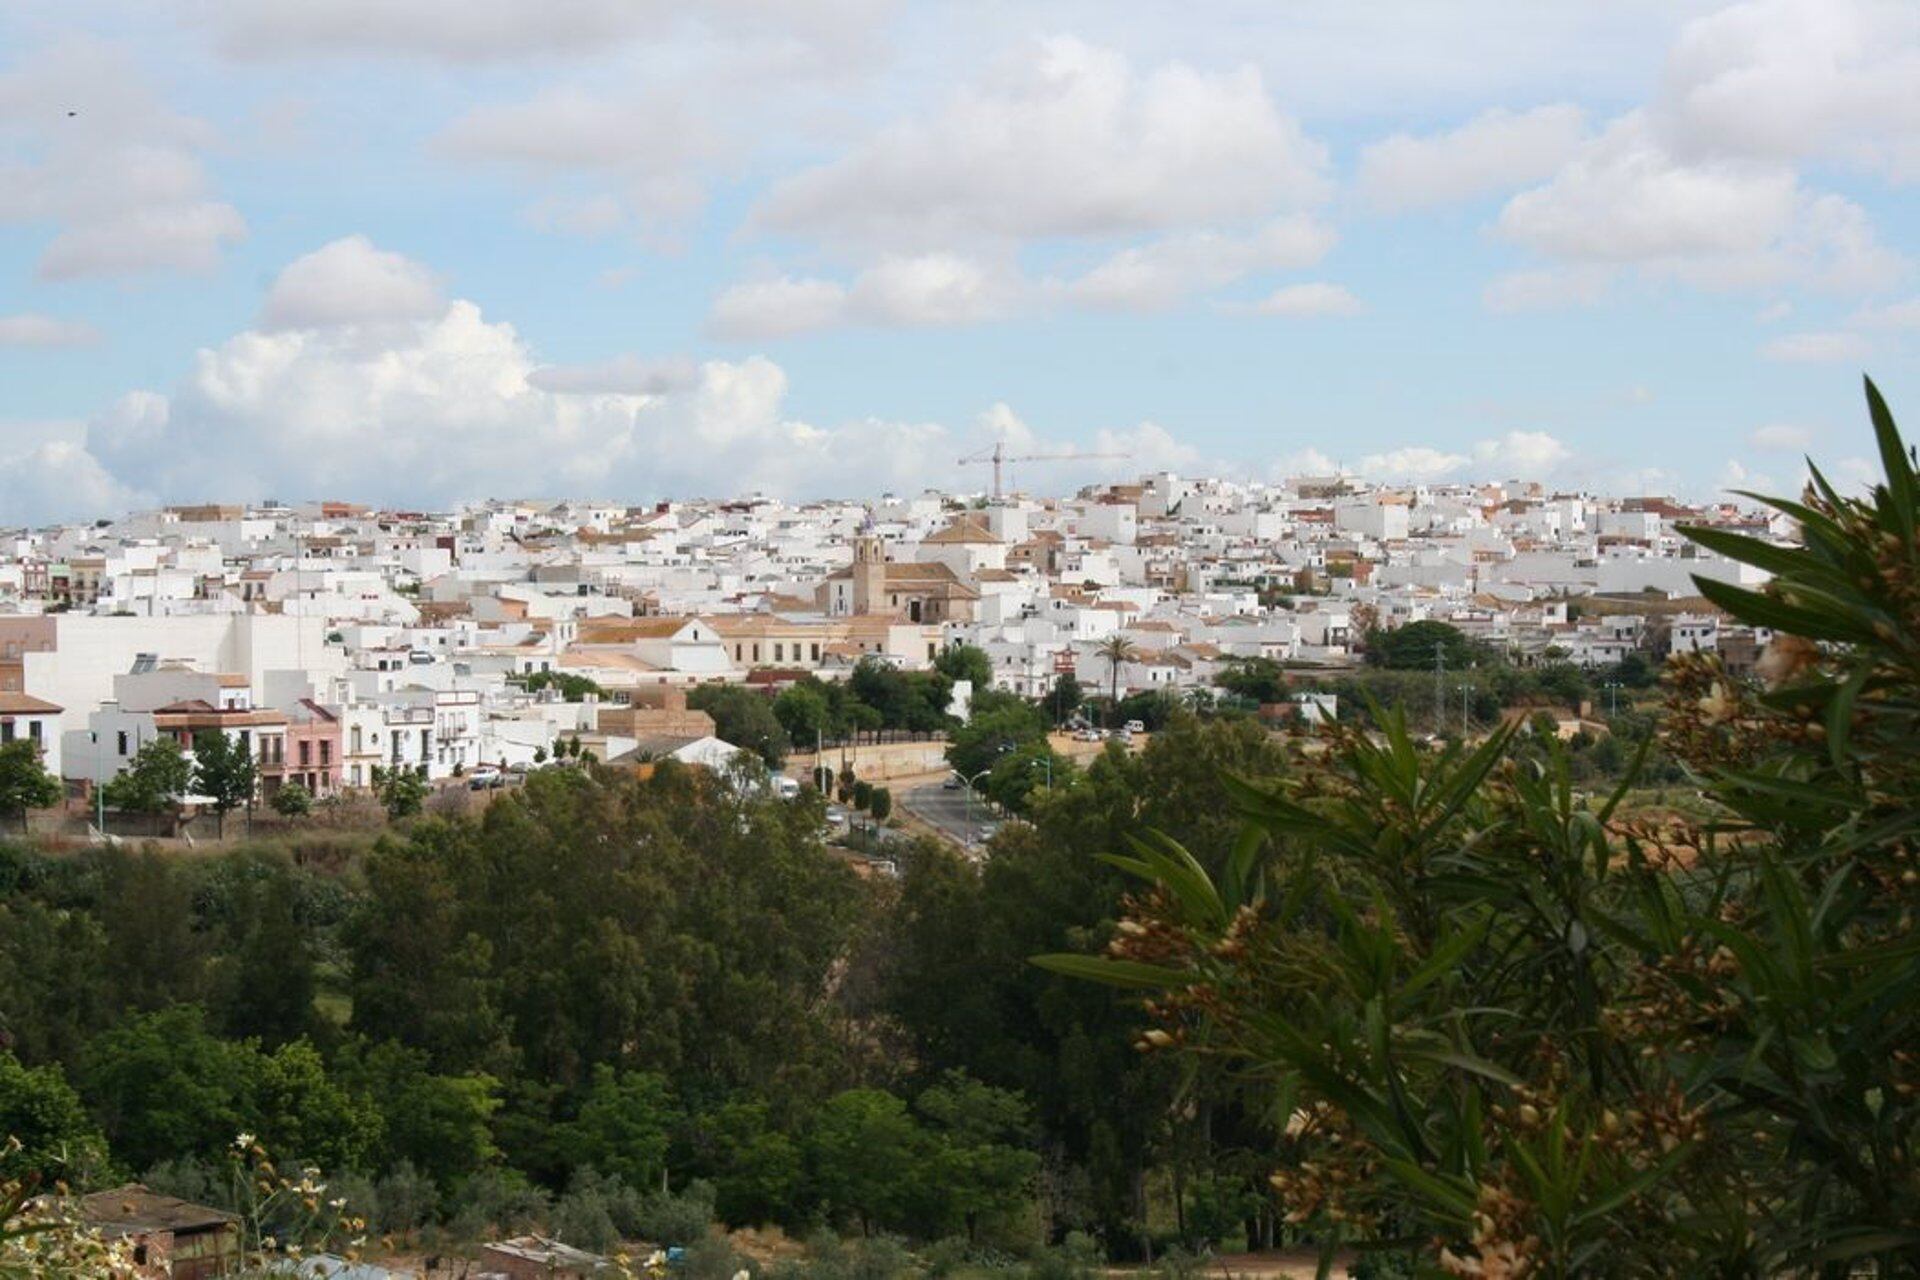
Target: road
945,811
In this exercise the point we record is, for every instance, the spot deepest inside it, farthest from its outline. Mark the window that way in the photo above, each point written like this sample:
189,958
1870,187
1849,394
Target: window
33,730
779,651
123,742
6,731
306,753
326,753
816,651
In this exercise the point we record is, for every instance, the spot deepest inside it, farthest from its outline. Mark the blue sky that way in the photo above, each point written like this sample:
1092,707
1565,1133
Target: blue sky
420,250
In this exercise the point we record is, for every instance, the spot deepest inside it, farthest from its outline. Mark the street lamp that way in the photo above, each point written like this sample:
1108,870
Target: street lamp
967,809
99,790
1045,762
1613,694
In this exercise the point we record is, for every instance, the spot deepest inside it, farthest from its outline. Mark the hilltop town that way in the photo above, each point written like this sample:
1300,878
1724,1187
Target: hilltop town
339,642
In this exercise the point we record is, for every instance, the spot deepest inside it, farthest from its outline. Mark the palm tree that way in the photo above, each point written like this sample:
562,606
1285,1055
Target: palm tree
1116,649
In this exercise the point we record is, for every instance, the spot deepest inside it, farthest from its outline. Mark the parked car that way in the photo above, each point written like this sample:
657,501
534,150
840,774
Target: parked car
952,783
836,816
1136,726
1122,736
1088,735
484,777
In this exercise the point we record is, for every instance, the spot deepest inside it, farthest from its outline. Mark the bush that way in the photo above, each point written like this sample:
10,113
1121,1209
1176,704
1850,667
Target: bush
496,1200
677,1218
880,804
292,801
862,794
407,1199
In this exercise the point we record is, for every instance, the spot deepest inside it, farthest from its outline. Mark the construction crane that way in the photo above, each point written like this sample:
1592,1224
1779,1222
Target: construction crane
999,456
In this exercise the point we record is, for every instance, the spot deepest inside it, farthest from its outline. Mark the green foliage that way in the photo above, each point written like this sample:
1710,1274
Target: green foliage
41,1112
862,794
1260,679
863,1152
157,776
223,772
1000,723
24,782
965,662
572,687
1412,647
1064,697
292,800
913,700
745,717
1525,1034
623,1126
402,791
880,803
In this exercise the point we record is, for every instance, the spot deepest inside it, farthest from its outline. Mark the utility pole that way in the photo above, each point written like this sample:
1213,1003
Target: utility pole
1439,685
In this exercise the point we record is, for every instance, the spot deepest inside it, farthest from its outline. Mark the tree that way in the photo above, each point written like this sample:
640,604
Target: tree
572,687
981,1161
39,1109
866,1154
1411,647
292,800
162,1087
157,776
1117,650
223,772
745,718
1525,1032
1261,680
624,1126
862,794
965,662
402,791
24,782
1000,723
803,712
880,804
1065,697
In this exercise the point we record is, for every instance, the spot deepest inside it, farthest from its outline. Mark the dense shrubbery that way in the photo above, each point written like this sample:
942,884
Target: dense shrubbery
1513,1031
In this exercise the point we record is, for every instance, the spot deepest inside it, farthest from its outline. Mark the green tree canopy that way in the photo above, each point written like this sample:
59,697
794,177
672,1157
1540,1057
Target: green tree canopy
965,662
24,782
157,776
745,717
39,1109
223,772
1413,645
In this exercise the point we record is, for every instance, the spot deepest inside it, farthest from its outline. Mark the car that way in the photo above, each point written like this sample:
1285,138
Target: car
1122,736
482,778
1088,735
985,834
1135,726
952,783
836,816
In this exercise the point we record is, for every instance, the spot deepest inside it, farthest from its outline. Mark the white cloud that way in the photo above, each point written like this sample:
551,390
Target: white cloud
1904,314
654,148
777,308
1517,455
1317,298
1062,139
1626,199
349,281
1303,462
471,31
1421,463
1521,455
58,480
1785,79
931,289
912,291
1780,437
1496,151
626,375
1547,288
88,149
29,329
1164,271
1817,348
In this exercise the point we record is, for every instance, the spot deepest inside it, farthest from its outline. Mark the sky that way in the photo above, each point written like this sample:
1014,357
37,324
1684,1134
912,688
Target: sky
423,251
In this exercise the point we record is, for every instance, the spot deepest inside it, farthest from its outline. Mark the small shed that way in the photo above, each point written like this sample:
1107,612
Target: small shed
172,1239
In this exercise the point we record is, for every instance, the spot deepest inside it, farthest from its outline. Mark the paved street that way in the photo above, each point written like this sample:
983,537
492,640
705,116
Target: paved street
946,811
